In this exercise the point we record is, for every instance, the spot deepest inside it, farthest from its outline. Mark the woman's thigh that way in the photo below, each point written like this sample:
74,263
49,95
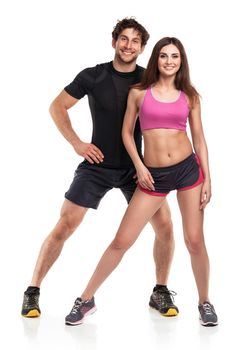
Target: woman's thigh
140,210
192,216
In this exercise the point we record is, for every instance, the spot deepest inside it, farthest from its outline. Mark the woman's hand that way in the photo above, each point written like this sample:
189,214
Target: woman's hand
205,194
144,178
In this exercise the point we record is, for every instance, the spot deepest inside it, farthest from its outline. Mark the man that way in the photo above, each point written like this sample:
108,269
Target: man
106,165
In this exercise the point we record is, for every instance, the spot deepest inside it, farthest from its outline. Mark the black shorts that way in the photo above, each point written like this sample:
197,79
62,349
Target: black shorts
92,182
182,176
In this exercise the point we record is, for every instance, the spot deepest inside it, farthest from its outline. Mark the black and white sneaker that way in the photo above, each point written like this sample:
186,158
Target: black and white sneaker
30,307
80,310
162,299
208,316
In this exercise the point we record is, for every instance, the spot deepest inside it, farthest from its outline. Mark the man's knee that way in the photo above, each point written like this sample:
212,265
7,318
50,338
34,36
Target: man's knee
68,222
164,230
162,223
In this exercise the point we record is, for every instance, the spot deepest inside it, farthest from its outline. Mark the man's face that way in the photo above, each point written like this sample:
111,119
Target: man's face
128,46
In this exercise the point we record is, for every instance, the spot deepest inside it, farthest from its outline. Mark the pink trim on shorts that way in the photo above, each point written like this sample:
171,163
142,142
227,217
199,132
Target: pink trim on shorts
152,193
199,180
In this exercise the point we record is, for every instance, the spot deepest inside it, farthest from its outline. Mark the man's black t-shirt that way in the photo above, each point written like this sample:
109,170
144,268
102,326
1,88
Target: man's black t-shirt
107,91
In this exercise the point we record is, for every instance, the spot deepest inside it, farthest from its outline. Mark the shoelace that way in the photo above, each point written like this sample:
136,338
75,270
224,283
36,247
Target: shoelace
166,295
77,306
207,308
31,299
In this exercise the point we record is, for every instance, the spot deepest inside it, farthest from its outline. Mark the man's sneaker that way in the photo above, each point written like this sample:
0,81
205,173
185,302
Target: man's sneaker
30,307
163,301
80,310
208,316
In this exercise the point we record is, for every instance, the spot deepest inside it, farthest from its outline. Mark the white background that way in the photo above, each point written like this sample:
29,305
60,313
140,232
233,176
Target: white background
44,44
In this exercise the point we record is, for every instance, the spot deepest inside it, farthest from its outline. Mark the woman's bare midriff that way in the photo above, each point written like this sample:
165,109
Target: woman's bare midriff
165,147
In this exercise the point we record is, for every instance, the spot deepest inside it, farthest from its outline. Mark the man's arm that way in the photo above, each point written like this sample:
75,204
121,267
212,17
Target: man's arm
59,112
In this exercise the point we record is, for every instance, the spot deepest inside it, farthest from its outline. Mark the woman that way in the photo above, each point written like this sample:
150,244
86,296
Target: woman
164,100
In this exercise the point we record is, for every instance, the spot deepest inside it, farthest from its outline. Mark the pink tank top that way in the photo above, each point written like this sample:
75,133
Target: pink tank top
155,114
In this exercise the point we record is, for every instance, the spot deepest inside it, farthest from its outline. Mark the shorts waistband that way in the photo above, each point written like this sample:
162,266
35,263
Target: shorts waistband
172,167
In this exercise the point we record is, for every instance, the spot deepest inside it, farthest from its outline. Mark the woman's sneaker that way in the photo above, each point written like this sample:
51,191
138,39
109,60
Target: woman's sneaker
80,310
208,316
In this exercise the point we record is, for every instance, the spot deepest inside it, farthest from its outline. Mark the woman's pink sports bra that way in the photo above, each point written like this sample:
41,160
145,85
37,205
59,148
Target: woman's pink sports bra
155,114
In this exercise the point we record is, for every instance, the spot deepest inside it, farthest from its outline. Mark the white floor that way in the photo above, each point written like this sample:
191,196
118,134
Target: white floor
123,319
119,323
120,328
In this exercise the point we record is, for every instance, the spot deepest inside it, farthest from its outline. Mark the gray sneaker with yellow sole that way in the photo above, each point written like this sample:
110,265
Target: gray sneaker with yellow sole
162,299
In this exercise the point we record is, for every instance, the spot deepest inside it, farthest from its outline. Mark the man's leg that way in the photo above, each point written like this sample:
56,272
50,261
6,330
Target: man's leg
164,243
161,298
71,216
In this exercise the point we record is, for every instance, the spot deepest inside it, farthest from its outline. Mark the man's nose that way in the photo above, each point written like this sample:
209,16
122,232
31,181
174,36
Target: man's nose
128,44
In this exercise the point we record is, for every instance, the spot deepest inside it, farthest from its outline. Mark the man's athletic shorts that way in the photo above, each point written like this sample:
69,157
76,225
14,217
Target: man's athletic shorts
92,182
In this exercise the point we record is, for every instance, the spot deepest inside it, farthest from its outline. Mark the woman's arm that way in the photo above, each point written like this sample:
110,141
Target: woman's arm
144,177
200,147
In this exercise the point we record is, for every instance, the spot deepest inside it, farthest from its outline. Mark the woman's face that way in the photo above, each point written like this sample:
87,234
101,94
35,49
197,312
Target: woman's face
169,60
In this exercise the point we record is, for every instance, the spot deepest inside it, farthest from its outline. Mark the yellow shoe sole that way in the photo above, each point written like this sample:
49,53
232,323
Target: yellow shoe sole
170,313
32,313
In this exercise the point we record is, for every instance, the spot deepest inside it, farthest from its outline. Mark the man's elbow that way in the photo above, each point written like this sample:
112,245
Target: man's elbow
55,109
52,108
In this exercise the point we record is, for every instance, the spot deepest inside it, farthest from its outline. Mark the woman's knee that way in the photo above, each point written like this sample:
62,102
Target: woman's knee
195,244
121,244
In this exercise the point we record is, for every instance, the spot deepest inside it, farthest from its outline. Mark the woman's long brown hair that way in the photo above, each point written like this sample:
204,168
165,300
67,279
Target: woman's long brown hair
182,79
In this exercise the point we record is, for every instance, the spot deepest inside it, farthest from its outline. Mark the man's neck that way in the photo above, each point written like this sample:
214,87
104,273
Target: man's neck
124,67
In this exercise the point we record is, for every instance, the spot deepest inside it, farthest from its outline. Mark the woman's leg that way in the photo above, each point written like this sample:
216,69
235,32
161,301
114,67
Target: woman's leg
141,208
192,218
